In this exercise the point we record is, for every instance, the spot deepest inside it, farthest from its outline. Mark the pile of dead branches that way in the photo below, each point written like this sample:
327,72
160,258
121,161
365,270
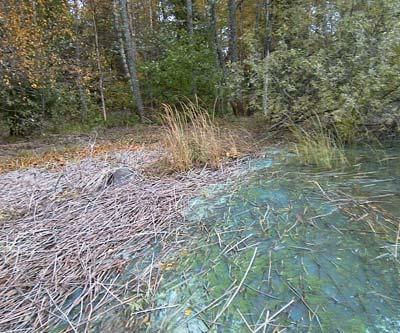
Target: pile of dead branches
68,238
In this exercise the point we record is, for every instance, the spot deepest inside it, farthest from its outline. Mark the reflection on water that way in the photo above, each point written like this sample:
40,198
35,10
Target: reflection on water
290,247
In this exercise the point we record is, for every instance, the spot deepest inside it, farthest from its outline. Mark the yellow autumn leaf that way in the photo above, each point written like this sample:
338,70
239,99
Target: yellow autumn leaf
187,312
167,266
232,153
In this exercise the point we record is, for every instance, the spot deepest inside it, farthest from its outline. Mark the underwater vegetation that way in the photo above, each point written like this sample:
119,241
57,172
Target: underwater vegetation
299,250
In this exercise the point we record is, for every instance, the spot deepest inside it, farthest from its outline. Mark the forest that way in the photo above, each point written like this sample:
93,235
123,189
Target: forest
74,63
193,166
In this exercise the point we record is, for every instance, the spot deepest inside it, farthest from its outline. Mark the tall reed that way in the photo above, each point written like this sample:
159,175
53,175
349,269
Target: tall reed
192,138
319,146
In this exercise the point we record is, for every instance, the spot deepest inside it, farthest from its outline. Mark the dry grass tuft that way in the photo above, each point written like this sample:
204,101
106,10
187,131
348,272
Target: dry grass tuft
192,138
319,147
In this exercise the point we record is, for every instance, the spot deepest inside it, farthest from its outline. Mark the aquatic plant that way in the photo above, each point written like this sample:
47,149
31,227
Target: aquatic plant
319,146
277,251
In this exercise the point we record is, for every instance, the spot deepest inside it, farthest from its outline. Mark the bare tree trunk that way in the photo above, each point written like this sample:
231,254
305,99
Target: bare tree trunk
217,46
130,57
162,10
233,51
189,13
99,66
151,15
237,102
219,56
265,101
121,46
79,81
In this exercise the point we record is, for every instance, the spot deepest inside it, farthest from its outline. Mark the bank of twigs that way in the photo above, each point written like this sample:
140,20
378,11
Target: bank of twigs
67,238
192,138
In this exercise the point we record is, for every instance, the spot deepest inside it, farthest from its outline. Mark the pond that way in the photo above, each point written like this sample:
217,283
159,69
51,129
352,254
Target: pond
291,248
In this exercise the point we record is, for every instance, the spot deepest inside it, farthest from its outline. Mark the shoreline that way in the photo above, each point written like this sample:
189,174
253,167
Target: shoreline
69,235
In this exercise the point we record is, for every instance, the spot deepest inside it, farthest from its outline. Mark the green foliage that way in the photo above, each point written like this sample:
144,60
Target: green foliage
337,59
346,72
184,70
23,108
244,79
118,96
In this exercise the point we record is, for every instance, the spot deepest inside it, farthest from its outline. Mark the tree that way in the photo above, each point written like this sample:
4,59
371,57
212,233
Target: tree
220,61
267,4
189,13
237,98
98,60
233,49
287,59
130,48
79,80
121,47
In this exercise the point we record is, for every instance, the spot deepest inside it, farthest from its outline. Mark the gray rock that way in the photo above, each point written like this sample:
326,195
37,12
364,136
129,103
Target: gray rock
120,176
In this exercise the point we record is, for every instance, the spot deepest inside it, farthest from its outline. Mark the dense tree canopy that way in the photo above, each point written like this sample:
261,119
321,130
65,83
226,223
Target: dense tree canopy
94,61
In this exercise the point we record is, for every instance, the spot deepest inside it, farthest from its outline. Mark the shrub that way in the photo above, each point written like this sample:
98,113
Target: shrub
184,70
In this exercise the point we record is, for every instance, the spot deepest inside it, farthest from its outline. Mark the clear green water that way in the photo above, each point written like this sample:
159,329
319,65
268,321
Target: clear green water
311,266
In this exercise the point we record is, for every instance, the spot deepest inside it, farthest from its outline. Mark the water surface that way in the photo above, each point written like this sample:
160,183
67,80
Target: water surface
291,248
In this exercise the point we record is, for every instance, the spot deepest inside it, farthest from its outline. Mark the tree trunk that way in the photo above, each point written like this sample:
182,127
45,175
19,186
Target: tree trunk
163,14
219,56
237,104
99,66
265,101
189,19
130,57
189,13
214,36
121,47
79,81
233,51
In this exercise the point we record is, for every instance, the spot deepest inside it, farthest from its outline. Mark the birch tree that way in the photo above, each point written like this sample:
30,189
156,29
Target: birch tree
121,46
233,50
79,80
237,101
219,56
189,14
267,43
130,48
190,30
98,60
